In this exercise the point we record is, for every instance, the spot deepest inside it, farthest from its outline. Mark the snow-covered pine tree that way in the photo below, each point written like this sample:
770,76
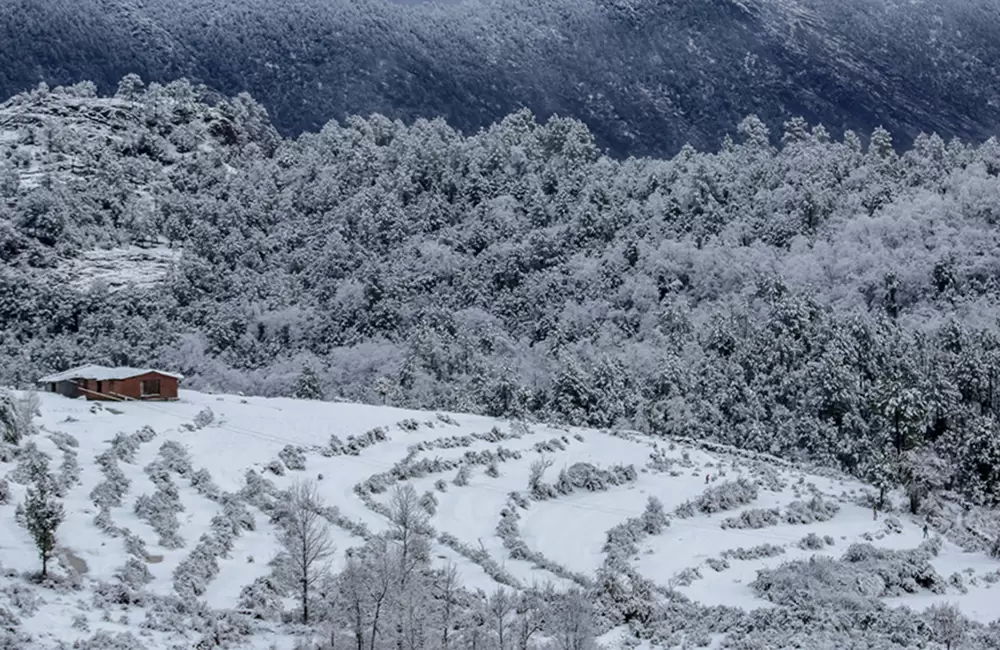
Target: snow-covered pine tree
307,386
43,514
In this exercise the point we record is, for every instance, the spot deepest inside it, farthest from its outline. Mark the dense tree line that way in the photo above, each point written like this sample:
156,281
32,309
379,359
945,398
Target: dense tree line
645,75
819,299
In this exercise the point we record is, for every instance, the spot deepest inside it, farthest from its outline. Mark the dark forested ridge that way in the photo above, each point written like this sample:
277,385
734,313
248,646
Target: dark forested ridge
821,299
646,76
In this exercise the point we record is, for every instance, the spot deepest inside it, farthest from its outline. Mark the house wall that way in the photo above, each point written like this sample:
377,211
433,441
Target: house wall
130,388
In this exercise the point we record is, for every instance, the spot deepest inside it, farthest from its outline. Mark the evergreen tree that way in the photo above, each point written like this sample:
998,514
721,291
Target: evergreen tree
43,514
308,386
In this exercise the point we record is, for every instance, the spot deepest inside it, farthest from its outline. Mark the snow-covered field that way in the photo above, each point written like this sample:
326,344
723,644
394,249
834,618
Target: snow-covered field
692,555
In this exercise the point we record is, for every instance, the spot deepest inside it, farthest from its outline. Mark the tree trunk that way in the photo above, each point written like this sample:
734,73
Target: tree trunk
305,601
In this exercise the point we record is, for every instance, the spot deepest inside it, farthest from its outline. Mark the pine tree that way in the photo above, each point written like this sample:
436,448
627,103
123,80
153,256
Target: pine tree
43,514
307,386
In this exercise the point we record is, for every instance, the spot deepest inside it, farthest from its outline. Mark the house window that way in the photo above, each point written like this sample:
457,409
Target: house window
150,387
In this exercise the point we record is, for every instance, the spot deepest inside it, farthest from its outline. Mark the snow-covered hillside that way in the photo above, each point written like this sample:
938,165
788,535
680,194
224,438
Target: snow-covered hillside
730,515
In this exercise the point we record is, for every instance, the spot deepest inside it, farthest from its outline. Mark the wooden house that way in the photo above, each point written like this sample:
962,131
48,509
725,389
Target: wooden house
115,384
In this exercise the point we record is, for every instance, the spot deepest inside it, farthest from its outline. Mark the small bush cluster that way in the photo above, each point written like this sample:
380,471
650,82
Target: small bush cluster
294,458
355,444
175,458
160,511
4,492
584,476
811,511
622,541
110,492
199,568
551,445
753,518
31,462
201,481
717,498
204,418
811,542
864,572
754,552
409,424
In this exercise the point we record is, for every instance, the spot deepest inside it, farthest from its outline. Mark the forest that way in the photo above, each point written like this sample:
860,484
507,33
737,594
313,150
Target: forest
646,76
822,299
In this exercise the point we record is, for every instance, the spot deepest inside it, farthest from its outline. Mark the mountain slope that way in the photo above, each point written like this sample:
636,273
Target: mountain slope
645,75
731,528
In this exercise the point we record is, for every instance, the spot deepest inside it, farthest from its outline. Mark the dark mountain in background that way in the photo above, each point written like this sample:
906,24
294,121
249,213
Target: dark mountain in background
645,75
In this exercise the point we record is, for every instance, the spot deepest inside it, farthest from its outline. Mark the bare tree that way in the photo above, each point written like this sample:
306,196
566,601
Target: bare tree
948,624
500,608
382,560
531,614
352,598
306,539
446,592
410,529
537,471
573,622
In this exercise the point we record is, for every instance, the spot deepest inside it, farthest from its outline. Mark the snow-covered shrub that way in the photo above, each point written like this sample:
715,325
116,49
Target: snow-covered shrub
160,510
686,577
717,564
813,510
811,542
864,572
294,458
135,545
105,640
754,553
4,492
258,491
753,518
893,525
654,517
192,575
201,481
492,470
262,599
63,440
447,419
441,485
429,502
17,415
31,462
80,623
716,498
275,467
112,490
175,457
134,573
103,522
125,446
69,472
463,475
22,597
409,424
204,418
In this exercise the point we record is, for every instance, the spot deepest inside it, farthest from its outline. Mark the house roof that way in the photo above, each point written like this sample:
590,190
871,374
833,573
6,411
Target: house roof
102,373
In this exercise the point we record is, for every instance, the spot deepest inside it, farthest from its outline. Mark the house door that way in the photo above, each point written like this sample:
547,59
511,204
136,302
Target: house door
100,387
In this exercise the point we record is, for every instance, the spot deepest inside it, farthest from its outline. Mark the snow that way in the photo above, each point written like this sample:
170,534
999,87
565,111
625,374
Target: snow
117,268
102,373
248,432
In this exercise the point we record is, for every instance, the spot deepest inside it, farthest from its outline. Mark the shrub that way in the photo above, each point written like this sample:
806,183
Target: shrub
754,518
294,458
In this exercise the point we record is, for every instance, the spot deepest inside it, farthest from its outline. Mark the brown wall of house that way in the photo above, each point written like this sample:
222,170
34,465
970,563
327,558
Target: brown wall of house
130,388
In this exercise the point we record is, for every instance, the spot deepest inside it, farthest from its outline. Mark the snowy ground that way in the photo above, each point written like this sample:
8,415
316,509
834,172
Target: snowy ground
249,433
